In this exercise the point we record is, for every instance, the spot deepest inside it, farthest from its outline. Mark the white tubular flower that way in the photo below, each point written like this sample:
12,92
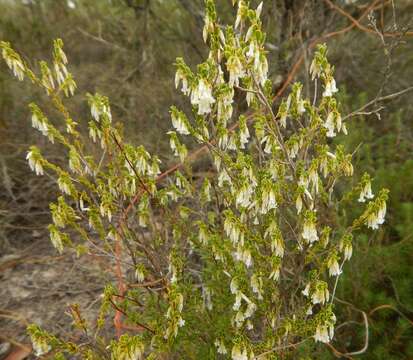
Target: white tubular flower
13,61
251,308
315,70
275,274
277,246
154,169
283,119
232,145
244,136
238,299
322,334
244,196
208,27
247,258
330,87
239,319
339,121
233,286
94,111
179,122
304,181
106,111
61,72
142,165
224,108
105,211
314,178
239,352
324,163
34,162
69,86
241,6
344,129
348,252
256,55
223,177
293,150
250,96
39,124
18,70
235,69
325,330
223,140
243,255
233,231
179,76
136,352
320,294
40,347
249,33
268,201
256,286
140,274
262,70
366,192
375,219
64,184
306,291
300,106
346,247
16,66
277,242
330,125
56,238
300,102
275,268
221,349
202,97
177,148
372,221
259,9
381,213
251,50
203,235
299,204
206,296
333,266
268,141
309,232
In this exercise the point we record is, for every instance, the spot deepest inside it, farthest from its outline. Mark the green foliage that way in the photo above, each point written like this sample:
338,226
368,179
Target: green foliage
378,274
380,270
253,275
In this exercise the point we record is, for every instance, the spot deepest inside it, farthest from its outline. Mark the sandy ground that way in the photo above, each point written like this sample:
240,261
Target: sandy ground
37,285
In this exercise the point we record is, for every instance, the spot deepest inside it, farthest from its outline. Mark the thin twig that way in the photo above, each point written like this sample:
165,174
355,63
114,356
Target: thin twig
374,101
262,355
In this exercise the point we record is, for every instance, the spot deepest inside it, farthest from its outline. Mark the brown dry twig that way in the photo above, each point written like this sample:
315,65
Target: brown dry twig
362,27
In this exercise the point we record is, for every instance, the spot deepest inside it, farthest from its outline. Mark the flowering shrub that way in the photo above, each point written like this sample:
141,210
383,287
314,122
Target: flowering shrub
243,263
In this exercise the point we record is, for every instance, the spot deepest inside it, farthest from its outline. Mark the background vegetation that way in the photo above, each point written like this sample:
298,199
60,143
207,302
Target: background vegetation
125,49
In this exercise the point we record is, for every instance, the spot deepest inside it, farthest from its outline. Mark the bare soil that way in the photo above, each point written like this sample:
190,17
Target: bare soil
37,285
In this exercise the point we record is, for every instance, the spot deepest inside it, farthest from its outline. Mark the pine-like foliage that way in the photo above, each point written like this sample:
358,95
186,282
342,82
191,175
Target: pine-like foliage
243,263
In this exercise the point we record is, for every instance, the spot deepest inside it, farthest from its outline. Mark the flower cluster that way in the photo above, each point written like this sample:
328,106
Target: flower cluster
13,60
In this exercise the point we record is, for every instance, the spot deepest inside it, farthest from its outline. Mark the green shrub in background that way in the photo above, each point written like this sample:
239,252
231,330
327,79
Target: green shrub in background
380,278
